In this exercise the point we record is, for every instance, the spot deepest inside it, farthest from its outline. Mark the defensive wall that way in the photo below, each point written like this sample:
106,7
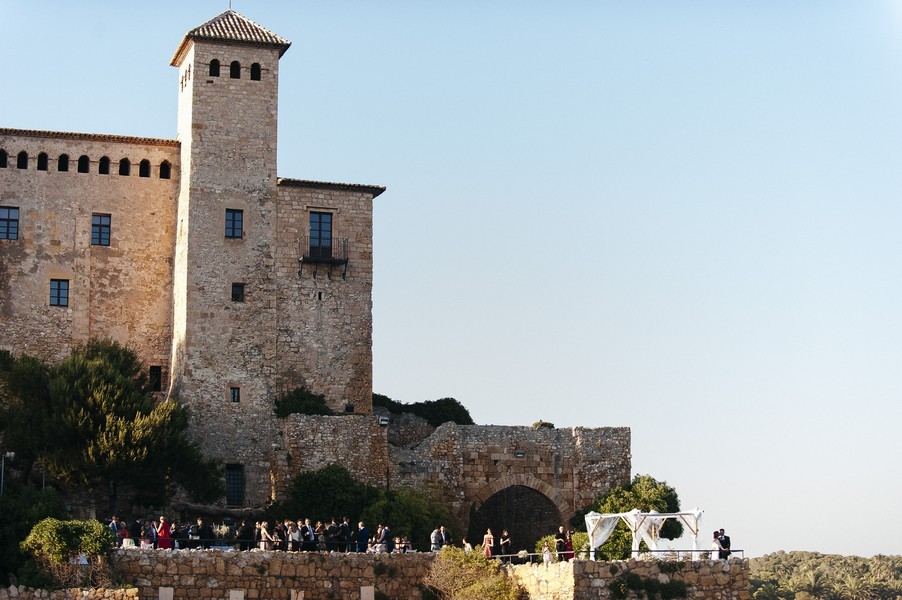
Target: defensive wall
526,480
202,575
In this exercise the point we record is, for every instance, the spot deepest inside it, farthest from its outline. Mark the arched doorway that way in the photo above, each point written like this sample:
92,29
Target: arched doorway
526,513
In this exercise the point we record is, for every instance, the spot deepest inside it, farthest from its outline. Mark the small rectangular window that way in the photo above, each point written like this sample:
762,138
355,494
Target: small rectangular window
235,394
234,485
9,223
234,225
59,292
321,235
156,378
237,292
100,230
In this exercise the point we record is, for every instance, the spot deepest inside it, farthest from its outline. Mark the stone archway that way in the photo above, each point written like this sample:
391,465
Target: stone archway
527,507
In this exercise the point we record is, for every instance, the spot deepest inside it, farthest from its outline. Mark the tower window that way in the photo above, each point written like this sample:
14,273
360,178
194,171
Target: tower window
235,70
234,224
234,393
100,230
214,68
234,475
165,170
255,72
84,164
42,161
22,160
237,292
62,163
9,223
59,292
125,167
320,235
103,167
3,158
155,378
144,168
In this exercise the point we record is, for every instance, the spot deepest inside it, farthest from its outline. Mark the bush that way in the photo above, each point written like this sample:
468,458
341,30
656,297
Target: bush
542,425
456,575
72,553
435,412
22,507
302,401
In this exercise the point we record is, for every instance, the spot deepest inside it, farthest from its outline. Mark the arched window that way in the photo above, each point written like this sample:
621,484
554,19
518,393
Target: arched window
235,70
125,167
42,161
144,168
62,163
255,72
214,68
22,160
3,157
84,164
165,170
103,167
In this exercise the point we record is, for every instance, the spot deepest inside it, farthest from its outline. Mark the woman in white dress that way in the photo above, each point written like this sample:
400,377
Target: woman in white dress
716,548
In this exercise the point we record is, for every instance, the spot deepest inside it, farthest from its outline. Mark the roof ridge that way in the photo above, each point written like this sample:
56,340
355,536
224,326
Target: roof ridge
233,28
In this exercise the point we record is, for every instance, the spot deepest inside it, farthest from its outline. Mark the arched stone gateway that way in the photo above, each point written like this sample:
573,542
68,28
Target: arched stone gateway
526,513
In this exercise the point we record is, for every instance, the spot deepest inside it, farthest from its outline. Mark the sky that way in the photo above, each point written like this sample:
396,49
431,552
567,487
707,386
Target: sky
679,217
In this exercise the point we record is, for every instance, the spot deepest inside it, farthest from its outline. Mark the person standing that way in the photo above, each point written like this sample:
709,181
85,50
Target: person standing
386,540
164,535
488,541
560,543
716,548
504,546
363,537
546,553
445,536
724,540
435,540
245,535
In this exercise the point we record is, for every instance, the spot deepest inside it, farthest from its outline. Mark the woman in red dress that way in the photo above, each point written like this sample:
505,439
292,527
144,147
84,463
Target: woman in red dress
488,540
164,535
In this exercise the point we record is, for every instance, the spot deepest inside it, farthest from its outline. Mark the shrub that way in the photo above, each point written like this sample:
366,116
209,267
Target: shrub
542,425
302,401
435,412
22,506
457,575
71,553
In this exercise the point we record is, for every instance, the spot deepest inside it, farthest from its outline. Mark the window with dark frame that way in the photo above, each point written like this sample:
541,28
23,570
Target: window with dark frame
234,393
155,375
59,292
125,167
234,475
235,70
165,170
214,68
237,292
144,168
100,230
42,161
321,235
22,160
84,164
3,158
255,72
234,224
62,163
103,167
9,223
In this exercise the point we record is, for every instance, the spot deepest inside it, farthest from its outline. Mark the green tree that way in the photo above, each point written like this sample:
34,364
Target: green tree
101,427
25,408
435,412
57,545
408,512
329,492
301,401
455,575
22,506
645,493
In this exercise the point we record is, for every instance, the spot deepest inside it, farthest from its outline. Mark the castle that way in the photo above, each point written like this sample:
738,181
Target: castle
236,285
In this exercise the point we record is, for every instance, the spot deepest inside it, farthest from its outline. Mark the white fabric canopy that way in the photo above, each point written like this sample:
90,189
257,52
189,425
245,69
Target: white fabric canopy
645,527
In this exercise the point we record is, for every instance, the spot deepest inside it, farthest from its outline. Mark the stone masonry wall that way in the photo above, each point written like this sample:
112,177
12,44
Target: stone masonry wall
213,574
120,291
590,580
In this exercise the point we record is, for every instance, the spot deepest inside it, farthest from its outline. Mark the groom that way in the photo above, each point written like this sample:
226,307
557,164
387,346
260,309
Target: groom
724,541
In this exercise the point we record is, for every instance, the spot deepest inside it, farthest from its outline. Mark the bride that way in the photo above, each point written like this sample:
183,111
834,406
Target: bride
716,548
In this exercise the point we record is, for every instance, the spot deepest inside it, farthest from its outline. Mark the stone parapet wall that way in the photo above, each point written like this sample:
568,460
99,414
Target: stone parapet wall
24,593
271,575
590,580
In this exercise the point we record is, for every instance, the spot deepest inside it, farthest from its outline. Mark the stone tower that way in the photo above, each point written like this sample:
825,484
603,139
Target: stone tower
224,324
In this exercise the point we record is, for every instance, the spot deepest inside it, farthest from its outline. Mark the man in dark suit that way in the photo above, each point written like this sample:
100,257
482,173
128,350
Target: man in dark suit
386,539
363,537
724,540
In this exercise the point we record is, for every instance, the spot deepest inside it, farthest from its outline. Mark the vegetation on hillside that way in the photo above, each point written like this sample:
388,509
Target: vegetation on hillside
70,553
435,412
455,575
815,576
301,401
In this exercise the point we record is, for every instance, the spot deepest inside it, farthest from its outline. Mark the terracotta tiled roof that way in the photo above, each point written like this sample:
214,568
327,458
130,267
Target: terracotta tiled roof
94,137
375,190
232,28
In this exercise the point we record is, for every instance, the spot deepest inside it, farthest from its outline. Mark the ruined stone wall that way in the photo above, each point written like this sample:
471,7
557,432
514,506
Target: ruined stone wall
271,575
356,442
590,580
470,463
25,593
404,429
325,322
121,291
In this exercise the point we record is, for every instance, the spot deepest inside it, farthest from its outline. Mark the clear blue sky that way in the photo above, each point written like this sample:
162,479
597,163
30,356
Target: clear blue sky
681,217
